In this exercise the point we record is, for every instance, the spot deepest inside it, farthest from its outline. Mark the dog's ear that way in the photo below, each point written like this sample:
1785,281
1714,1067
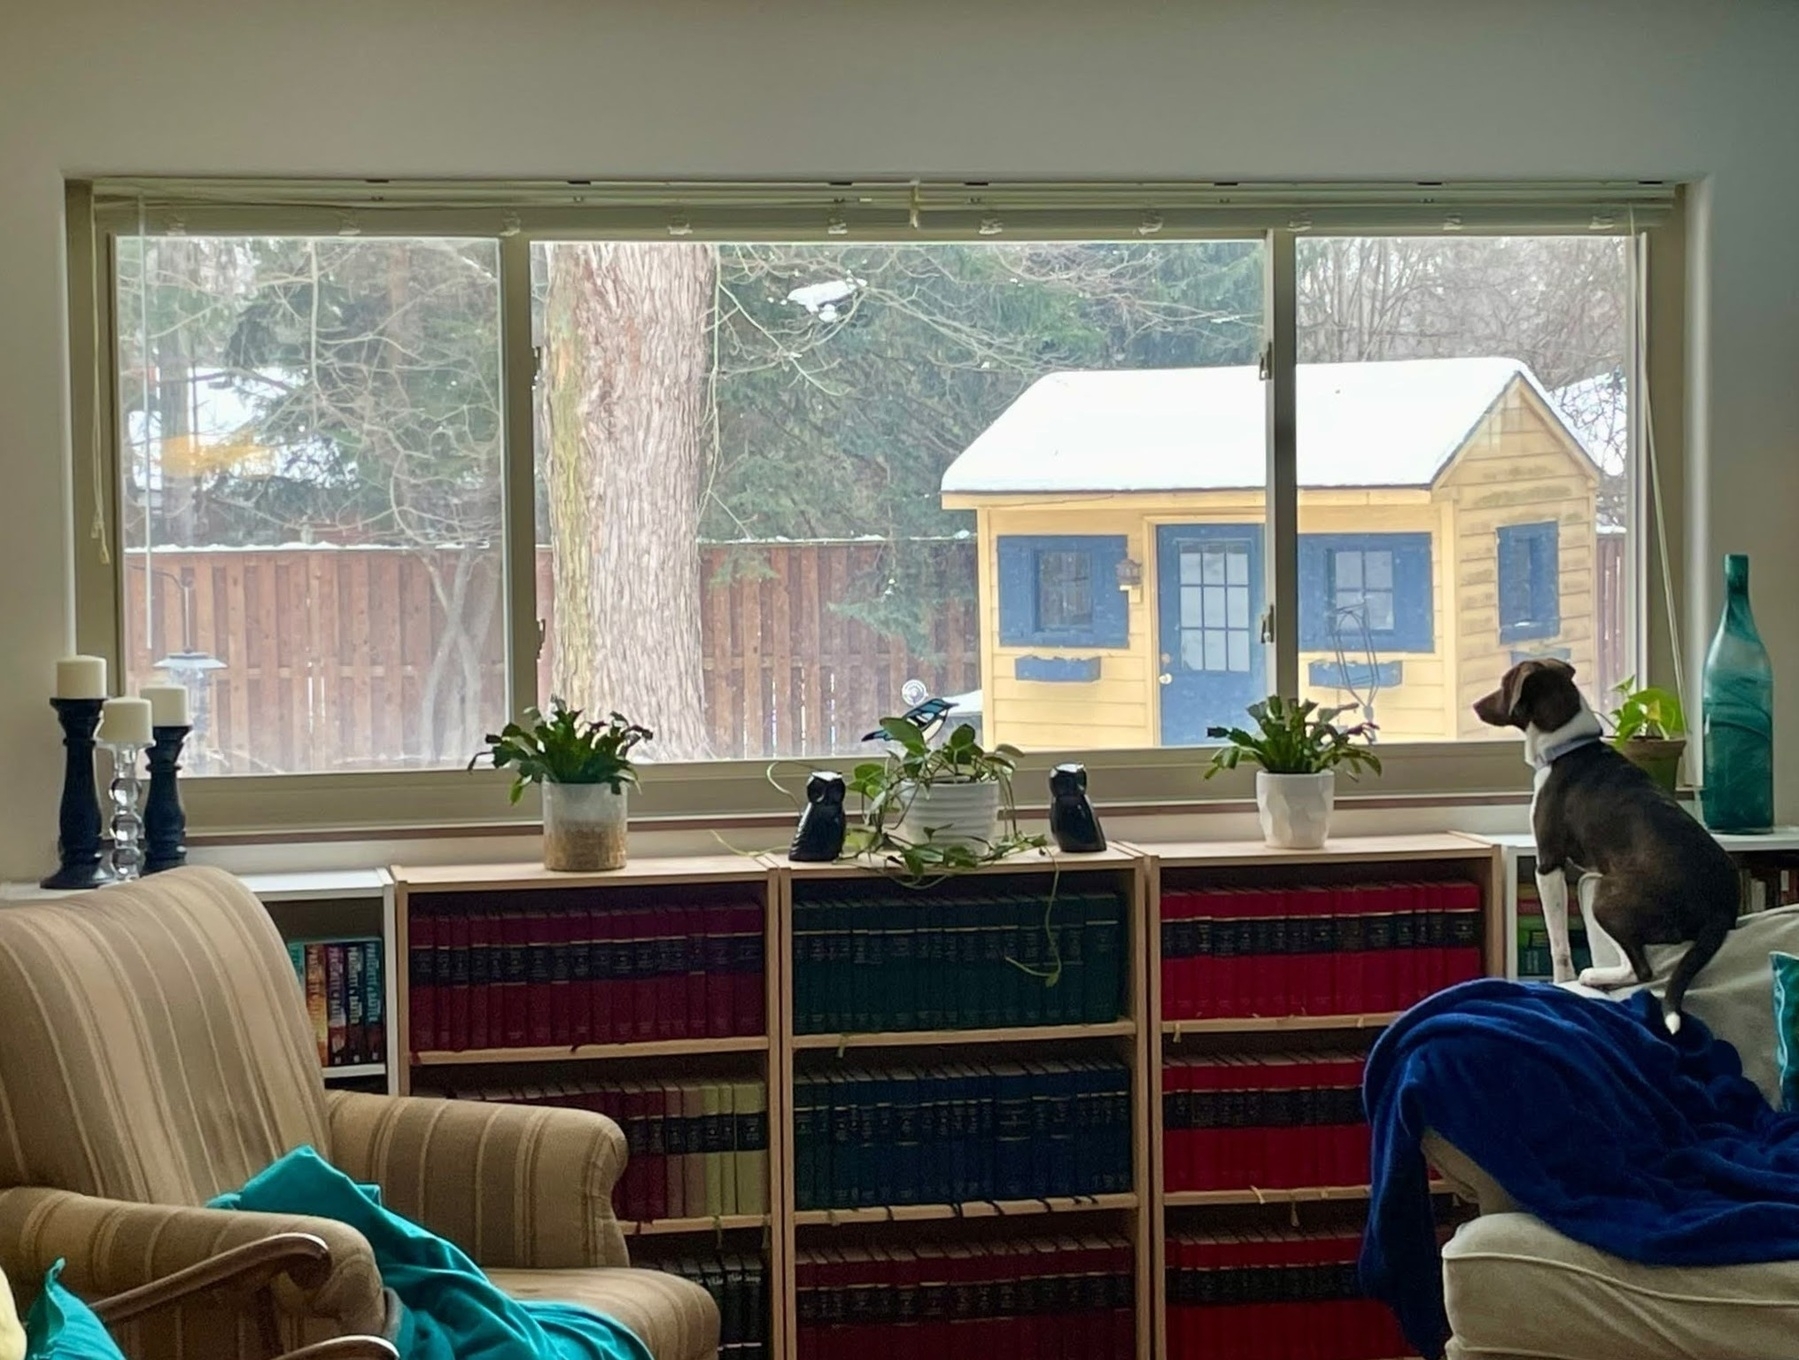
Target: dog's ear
1546,697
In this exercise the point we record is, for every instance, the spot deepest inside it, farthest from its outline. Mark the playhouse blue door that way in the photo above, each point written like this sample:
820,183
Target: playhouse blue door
1209,611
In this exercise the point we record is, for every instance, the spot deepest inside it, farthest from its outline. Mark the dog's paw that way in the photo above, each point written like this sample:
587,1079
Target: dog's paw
1564,970
1672,1020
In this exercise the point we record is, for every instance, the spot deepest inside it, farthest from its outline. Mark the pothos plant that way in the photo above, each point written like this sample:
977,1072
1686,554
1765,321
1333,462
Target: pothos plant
1295,736
887,788
565,747
1650,714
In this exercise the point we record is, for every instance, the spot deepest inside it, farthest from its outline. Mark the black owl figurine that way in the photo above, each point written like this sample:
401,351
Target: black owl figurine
1072,820
819,837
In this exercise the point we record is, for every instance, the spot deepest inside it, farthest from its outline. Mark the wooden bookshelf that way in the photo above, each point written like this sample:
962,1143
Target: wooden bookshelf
1003,1208
649,1048
947,1038
724,1056
1279,1024
1235,864
1140,1036
355,1072
670,1227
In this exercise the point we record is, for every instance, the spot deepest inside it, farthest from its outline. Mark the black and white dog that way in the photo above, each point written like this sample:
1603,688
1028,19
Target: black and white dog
1647,872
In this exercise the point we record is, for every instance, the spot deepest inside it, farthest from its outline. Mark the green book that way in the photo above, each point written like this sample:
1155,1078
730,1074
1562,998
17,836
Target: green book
928,964
864,965
839,916
1103,944
808,968
999,998
962,963
808,1143
1031,958
1069,920
902,963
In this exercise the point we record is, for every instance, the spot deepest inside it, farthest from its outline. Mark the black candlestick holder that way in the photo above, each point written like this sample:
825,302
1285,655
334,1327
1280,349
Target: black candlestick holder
165,823
78,846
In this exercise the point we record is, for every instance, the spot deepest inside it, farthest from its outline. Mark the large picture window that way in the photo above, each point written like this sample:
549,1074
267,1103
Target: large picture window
761,470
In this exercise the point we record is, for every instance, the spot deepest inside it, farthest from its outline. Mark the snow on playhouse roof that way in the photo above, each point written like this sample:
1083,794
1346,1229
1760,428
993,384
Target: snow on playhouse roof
1202,429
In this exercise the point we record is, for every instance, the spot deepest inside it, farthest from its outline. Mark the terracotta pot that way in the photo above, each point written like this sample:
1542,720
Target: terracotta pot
1295,808
1659,759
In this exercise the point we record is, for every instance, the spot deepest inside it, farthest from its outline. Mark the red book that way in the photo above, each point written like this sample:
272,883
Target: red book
445,937
455,1036
580,978
721,1000
603,983
671,972
1403,978
515,971
421,990
539,1007
1461,918
655,1171
1314,953
1351,905
481,990
747,988
1272,964
645,960
694,952
633,1118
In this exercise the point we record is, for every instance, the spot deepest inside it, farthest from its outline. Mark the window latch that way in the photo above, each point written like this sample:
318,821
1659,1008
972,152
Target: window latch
541,633
1265,361
1268,625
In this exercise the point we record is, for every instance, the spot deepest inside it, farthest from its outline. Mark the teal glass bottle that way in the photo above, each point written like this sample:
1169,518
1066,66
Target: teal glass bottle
1738,704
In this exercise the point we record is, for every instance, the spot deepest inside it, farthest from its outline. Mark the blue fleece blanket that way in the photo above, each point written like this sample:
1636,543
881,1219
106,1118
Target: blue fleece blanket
1654,1150
449,1310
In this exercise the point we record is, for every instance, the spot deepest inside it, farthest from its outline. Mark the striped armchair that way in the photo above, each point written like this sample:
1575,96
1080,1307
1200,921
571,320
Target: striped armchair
155,1051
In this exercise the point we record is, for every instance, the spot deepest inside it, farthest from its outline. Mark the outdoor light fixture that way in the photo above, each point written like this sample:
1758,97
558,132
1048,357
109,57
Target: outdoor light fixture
1130,573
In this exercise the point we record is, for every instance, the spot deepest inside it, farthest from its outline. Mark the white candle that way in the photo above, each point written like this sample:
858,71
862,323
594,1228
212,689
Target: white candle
168,705
81,677
125,722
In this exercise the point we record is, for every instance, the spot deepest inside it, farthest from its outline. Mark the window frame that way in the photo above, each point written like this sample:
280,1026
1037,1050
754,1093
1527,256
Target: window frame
1020,565
1414,591
1540,543
259,808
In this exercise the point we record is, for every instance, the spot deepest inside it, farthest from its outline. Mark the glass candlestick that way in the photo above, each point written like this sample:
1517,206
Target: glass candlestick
127,821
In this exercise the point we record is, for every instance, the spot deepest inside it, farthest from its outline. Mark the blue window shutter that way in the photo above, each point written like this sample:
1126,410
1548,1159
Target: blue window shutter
1414,617
1018,622
1529,581
1017,592
1414,614
1314,593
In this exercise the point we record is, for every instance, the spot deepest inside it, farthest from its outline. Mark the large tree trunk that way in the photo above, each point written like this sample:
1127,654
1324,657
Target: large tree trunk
626,365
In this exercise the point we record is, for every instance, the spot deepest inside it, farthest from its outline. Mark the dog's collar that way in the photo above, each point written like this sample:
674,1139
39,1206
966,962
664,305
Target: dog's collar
1543,749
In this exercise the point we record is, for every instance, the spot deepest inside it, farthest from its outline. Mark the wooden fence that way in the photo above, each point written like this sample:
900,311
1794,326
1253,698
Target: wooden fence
357,658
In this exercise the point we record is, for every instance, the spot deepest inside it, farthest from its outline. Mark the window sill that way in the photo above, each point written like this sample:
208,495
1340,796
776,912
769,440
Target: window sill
726,796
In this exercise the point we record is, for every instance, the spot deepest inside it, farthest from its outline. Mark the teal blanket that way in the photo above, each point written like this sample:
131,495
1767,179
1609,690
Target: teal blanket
449,1311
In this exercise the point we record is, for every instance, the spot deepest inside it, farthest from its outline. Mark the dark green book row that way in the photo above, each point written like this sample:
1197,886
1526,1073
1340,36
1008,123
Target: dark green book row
961,1133
948,962
739,1286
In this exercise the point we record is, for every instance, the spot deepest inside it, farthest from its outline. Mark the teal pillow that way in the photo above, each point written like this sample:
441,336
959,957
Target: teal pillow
1786,1026
62,1327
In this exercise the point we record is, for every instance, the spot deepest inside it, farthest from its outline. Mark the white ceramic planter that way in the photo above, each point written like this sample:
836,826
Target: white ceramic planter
1295,808
583,827
956,814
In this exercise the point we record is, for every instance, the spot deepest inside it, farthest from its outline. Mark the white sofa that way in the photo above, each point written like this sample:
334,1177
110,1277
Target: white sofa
1518,1290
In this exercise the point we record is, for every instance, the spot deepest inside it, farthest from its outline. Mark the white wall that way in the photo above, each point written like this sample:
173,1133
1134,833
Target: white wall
1252,89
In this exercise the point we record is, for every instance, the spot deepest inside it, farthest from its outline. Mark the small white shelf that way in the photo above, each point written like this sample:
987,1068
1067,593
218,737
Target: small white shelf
355,1071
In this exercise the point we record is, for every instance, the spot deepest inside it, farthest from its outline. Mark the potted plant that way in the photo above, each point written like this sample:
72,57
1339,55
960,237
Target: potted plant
1650,731
951,793
585,770
1299,747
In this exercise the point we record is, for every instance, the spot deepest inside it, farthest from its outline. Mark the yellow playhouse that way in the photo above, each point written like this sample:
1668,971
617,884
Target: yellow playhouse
1447,529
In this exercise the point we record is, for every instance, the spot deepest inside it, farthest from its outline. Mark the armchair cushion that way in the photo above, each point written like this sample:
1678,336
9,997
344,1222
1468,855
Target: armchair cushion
62,1327
514,1187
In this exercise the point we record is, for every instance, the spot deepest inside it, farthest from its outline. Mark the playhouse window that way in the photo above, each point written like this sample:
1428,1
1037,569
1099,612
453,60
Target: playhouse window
1365,590
1530,596
1060,591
